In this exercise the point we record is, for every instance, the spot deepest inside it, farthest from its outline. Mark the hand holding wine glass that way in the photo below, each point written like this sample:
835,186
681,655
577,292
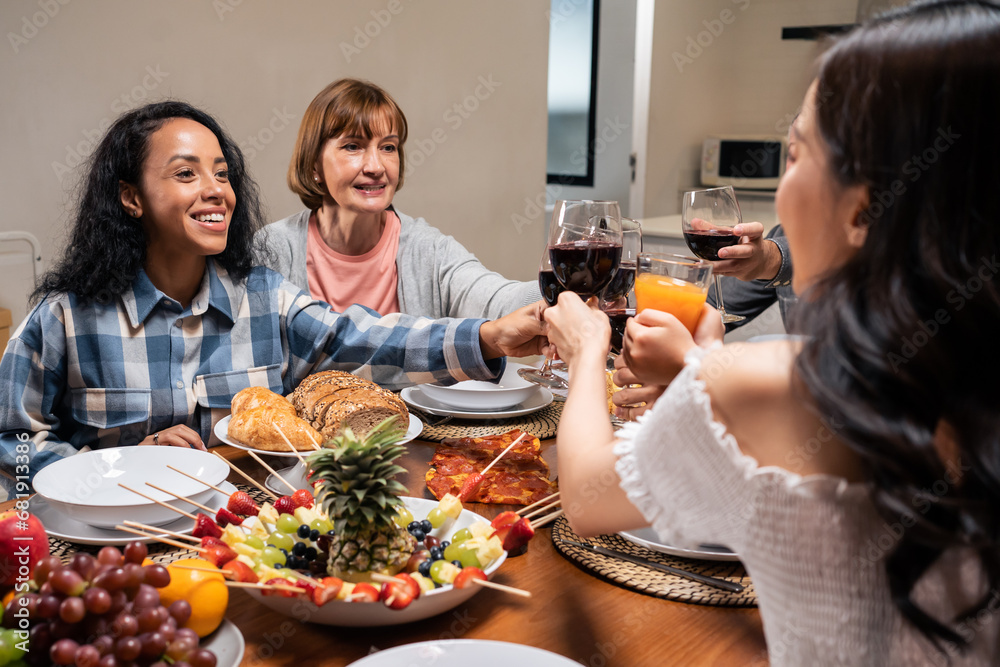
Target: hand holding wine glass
707,220
618,297
551,289
585,244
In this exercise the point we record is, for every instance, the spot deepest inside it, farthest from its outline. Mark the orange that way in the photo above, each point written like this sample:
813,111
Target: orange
206,592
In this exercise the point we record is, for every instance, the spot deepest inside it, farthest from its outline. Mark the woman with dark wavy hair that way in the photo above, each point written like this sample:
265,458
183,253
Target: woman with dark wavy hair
856,471
157,315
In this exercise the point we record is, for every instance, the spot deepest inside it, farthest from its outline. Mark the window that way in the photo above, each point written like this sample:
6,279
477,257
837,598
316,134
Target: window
572,94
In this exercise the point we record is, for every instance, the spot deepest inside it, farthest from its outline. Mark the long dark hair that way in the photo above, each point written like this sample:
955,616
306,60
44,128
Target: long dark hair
107,247
900,349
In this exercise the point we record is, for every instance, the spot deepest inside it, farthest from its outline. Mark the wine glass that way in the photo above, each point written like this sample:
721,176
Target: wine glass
585,244
618,297
707,220
551,289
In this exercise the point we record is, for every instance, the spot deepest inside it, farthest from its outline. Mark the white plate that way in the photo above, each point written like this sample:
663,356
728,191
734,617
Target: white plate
296,476
479,395
222,433
369,614
227,644
415,397
463,653
66,528
647,537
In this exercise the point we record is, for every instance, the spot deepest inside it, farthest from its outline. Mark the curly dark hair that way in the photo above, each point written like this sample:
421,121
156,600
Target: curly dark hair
899,338
107,247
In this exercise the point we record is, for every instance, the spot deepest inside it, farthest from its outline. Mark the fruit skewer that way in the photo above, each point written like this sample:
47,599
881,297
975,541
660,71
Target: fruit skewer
247,477
160,538
547,500
272,471
239,501
203,525
223,517
475,480
164,531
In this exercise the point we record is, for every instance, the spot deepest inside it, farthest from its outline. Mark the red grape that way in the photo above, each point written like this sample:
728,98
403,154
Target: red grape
63,652
156,575
108,661
44,566
181,611
148,620
67,581
133,575
181,647
153,645
105,644
111,580
135,552
128,648
83,563
72,610
124,625
87,656
202,658
48,606
97,600
110,556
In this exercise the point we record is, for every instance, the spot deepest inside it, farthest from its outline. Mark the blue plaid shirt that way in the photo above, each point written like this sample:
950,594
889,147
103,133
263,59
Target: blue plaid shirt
86,376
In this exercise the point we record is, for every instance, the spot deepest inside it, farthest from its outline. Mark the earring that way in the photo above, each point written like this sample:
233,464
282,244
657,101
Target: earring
316,177
135,213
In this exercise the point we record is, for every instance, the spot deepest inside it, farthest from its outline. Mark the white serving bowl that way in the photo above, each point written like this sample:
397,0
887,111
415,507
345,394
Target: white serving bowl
366,614
476,395
86,487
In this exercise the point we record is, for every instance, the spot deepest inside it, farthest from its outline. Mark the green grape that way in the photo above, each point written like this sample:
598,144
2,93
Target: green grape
322,525
281,540
255,542
287,524
453,552
272,556
8,647
469,558
461,536
436,517
403,517
436,569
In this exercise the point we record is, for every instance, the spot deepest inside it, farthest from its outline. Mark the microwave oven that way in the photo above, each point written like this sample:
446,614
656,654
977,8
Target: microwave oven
753,162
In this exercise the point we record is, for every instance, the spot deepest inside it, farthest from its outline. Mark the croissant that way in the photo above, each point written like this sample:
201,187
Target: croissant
255,397
258,428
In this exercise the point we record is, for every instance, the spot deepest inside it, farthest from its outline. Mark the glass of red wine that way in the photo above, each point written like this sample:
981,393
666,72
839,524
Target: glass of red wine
551,289
585,244
707,220
618,297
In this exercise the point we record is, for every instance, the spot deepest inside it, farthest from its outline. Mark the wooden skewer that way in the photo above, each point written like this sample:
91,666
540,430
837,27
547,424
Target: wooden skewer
544,501
272,471
159,502
219,489
315,444
165,540
207,510
247,477
154,529
265,587
503,453
540,510
548,519
501,587
289,443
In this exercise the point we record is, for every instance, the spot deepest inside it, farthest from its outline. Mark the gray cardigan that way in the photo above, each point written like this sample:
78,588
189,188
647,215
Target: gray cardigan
437,276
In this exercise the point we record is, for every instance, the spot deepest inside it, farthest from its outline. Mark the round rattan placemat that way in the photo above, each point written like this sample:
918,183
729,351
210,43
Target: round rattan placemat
541,424
654,582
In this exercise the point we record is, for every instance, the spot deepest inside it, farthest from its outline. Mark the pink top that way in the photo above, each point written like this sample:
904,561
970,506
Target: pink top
343,280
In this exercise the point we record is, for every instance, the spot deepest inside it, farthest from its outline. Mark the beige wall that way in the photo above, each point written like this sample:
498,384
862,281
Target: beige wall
256,65
720,66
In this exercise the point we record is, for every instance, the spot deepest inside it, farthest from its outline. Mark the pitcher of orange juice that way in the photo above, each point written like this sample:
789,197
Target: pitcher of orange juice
675,284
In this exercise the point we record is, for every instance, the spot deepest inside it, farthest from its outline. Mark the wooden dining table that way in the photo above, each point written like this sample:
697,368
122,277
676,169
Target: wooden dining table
571,611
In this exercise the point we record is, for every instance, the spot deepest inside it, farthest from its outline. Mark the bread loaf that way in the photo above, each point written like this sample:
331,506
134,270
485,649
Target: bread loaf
333,400
255,397
259,428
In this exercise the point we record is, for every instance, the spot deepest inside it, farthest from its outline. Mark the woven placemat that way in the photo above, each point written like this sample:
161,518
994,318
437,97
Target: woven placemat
654,582
158,552
541,424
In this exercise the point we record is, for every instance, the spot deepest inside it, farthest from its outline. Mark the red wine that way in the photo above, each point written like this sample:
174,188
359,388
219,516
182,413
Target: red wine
622,283
551,289
707,243
618,318
585,268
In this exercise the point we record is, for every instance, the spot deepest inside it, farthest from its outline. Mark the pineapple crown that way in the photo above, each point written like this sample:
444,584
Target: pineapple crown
356,479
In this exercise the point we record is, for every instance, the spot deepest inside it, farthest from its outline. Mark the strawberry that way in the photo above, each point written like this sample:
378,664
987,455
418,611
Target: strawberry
219,554
471,486
466,576
400,593
364,592
237,570
224,517
241,503
504,519
518,536
285,505
327,590
205,526
280,582
209,541
303,498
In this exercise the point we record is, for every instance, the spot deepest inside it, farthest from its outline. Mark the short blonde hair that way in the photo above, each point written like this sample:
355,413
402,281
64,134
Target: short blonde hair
346,105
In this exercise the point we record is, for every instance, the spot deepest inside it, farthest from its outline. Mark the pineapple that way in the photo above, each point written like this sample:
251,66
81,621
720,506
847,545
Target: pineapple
356,487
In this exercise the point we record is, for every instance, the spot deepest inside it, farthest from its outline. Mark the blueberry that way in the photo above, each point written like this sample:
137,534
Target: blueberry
314,535
413,525
278,566
445,544
437,553
299,549
311,553
425,568
418,534
426,526
457,563
303,531
285,551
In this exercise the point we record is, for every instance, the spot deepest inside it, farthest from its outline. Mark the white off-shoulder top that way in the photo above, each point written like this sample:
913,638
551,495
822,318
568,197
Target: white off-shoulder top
813,545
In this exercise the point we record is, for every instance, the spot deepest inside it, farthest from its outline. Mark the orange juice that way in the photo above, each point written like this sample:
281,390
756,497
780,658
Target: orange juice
680,298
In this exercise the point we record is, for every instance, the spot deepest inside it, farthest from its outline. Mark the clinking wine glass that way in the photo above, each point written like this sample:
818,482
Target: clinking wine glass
707,220
618,297
551,289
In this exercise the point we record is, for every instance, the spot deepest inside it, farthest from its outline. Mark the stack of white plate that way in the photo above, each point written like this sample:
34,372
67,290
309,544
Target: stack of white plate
82,498
512,396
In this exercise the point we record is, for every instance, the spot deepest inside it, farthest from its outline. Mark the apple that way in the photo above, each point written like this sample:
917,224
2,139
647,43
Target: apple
23,542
